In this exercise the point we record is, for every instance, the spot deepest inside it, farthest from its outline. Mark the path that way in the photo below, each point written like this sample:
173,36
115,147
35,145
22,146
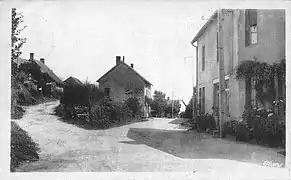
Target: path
154,145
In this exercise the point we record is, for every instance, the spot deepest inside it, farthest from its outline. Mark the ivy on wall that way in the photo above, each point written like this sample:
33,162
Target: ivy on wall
263,74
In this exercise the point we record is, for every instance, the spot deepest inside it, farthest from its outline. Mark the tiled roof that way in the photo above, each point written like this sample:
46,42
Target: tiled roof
131,69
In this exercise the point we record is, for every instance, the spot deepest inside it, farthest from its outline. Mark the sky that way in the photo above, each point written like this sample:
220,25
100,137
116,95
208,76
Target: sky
82,39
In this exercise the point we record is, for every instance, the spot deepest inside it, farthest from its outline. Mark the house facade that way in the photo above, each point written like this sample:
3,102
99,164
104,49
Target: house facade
122,82
257,35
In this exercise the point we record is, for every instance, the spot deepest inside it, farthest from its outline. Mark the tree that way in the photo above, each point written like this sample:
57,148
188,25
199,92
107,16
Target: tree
189,110
176,108
16,41
159,103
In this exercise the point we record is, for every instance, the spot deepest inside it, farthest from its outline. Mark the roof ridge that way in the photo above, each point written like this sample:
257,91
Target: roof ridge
122,62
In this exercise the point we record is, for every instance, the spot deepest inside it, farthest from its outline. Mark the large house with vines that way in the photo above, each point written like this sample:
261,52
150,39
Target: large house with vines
250,38
123,81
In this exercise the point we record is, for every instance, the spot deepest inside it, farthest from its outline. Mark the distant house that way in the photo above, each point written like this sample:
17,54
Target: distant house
122,82
52,81
72,81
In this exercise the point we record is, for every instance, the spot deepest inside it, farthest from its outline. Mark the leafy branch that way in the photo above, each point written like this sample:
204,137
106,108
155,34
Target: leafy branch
16,41
263,74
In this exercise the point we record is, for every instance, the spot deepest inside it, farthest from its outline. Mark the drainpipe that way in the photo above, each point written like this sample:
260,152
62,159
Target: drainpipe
195,96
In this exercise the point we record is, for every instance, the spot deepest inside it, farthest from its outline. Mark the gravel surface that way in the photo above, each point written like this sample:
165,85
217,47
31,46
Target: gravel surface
152,146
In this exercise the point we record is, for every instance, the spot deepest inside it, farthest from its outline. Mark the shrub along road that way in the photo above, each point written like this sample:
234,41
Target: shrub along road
154,145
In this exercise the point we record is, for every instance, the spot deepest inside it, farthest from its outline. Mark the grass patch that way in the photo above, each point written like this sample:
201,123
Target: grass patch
23,148
17,112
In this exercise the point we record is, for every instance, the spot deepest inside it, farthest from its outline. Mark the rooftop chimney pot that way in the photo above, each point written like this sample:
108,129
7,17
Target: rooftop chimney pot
31,56
118,59
123,58
131,65
42,60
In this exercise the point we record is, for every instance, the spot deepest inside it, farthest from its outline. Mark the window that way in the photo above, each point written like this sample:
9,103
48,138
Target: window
107,91
251,35
250,92
203,100
200,99
203,57
254,34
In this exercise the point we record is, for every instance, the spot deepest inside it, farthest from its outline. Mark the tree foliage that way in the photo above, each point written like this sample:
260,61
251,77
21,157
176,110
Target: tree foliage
16,40
176,107
189,110
159,103
134,105
263,75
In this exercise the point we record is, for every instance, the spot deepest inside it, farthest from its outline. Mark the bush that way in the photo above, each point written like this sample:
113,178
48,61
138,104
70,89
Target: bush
60,110
107,112
273,131
25,97
85,94
242,132
134,105
22,147
205,121
230,127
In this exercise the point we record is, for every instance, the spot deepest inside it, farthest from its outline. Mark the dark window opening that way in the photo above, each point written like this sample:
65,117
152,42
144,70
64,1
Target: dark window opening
203,57
251,33
203,100
107,91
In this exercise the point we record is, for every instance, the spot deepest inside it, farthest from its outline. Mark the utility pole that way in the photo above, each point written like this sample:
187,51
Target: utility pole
221,71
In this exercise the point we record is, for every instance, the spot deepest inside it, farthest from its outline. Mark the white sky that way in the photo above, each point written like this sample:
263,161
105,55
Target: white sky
81,39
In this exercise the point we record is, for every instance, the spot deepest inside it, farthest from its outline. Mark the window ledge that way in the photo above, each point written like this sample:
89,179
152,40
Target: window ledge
252,45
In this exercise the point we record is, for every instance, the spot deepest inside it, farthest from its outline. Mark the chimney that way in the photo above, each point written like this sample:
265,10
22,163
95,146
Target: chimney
118,59
31,58
131,65
42,60
123,58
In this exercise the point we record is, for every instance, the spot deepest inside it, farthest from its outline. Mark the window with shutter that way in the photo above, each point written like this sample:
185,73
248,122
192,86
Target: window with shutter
251,30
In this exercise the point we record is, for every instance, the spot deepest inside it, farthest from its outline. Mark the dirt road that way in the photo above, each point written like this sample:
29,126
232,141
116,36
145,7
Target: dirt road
154,145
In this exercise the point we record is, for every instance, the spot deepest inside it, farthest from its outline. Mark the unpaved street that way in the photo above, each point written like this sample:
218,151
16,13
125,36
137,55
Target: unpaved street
154,145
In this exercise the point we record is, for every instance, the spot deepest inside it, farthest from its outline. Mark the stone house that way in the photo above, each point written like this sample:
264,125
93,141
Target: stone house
122,82
249,34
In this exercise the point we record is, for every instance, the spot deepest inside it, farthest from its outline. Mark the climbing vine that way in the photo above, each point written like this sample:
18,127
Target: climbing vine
263,74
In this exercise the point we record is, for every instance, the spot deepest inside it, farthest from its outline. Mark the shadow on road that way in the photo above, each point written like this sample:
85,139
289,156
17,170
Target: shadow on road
178,121
194,145
89,126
